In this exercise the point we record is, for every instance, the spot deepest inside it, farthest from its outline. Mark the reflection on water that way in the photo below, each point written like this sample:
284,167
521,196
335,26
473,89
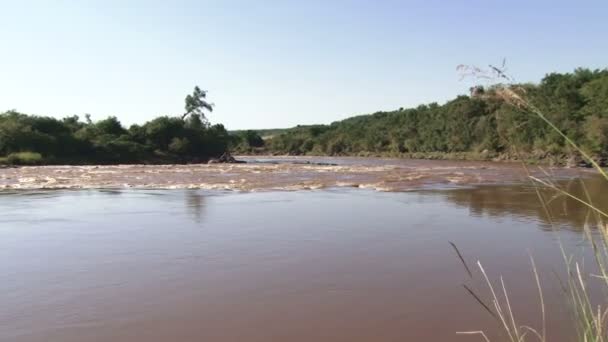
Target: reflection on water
523,201
195,202
326,265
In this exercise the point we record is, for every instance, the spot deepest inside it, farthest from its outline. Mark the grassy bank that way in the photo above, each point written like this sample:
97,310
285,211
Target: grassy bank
22,158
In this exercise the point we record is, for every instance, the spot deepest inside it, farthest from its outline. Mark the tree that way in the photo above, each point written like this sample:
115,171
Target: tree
196,103
596,134
111,125
253,139
179,146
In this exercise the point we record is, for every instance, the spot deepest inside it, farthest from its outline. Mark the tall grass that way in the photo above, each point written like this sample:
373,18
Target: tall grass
589,320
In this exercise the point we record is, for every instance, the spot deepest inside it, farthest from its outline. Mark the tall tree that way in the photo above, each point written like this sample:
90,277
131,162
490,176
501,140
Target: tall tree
196,103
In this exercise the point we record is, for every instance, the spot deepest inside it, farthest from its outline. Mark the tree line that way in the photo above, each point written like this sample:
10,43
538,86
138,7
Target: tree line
189,137
481,125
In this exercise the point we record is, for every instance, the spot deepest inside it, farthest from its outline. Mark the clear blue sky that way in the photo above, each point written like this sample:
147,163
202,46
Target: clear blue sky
278,63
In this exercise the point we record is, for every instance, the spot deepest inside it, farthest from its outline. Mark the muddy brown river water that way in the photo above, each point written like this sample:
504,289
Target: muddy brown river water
172,253
293,173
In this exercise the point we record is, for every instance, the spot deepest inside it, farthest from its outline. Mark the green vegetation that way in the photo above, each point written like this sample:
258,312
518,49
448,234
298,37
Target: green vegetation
24,158
480,126
28,139
266,133
590,315
248,142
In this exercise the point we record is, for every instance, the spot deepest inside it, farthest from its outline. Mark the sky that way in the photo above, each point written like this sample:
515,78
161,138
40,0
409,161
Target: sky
274,64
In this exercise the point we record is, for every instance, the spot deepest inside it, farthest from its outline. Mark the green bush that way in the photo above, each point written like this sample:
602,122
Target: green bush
70,140
24,158
106,141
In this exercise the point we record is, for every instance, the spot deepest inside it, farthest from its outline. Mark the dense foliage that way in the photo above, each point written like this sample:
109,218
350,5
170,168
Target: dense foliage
481,123
247,142
28,139
264,133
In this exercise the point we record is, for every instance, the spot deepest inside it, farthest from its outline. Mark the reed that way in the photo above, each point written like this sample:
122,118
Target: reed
589,319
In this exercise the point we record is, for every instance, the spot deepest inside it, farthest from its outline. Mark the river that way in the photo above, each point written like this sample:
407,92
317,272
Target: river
363,255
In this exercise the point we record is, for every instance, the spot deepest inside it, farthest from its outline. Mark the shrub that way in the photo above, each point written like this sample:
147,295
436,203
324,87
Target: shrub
24,158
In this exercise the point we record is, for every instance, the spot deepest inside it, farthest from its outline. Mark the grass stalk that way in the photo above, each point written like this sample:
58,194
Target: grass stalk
589,320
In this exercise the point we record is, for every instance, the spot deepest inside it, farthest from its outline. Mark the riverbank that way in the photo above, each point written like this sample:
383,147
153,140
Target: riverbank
36,159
